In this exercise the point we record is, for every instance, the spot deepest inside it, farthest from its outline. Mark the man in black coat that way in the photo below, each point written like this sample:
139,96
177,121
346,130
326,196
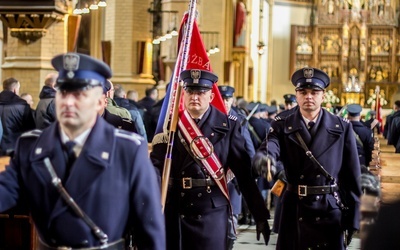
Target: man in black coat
47,94
197,205
234,192
392,140
364,135
16,115
313,214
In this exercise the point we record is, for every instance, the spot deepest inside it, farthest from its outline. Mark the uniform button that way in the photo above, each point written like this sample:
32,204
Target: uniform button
317,219
199,216
199,194
191,204
301,176
183,173
301,219
182,194
318,176
317,197
182,216
85,243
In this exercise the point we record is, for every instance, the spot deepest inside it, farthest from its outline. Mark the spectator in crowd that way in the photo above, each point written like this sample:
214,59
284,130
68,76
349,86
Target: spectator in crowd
15,113
112,106
120,99
47,94
389,118
133,95
150,99
28,98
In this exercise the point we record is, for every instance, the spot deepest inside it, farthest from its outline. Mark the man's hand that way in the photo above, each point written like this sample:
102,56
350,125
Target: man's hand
260,161
263,228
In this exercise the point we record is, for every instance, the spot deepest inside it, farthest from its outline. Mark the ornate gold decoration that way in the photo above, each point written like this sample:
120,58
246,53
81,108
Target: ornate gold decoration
30,23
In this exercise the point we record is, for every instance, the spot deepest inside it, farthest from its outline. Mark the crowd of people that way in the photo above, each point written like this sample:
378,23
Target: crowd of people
80,163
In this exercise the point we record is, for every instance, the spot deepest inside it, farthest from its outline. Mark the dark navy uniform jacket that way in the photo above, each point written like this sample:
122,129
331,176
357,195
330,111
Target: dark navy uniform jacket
261,128
234,192
112,180
316,219
196,219
367,140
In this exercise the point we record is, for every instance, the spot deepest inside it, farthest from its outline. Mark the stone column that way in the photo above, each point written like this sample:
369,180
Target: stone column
30,63
128,28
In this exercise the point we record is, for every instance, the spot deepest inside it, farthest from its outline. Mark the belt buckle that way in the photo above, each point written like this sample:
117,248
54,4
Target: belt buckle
302,190
187,183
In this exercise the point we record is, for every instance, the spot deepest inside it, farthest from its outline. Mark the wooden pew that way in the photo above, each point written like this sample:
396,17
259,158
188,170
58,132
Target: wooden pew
390,176
17,226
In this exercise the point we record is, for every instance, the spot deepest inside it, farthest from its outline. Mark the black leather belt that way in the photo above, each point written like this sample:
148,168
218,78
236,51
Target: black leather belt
116,245
304,190
188,182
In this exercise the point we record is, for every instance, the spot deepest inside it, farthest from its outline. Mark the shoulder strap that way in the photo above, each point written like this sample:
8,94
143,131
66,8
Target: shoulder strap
312,158
359,142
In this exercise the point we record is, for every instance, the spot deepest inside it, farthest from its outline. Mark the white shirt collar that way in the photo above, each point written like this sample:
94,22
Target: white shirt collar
79,140
307,121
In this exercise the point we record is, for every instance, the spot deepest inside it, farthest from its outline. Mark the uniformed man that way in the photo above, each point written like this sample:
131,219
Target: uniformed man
206,144
290,101
313,209
258,122
85,182
233,186
364,135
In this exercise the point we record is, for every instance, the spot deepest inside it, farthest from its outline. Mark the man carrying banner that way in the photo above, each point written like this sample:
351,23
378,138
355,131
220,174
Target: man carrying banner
207,142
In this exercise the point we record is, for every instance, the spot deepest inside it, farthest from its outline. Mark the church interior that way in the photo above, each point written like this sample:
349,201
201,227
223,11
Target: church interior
253,46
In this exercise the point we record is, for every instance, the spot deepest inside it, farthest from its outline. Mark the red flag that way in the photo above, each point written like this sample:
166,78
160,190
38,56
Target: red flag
198,59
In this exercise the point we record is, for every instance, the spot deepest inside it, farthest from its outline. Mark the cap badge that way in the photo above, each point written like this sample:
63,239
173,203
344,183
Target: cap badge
308,72
224,88
195,74
71,63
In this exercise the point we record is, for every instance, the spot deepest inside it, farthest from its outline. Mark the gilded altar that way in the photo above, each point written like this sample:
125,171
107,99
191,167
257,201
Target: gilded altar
357,43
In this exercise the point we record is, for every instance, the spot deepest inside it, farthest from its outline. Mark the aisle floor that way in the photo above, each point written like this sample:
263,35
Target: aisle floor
247,240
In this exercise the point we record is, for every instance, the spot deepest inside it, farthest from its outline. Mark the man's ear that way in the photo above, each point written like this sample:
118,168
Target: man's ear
212,96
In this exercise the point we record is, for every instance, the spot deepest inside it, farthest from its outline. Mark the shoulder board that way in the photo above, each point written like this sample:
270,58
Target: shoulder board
345,120
127,120
232,117
278,118
32,133
129,135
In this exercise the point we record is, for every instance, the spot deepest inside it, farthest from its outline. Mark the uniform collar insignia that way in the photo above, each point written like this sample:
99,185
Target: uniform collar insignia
105,155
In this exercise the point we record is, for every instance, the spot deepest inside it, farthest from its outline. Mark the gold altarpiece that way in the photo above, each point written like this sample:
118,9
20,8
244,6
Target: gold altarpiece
357,43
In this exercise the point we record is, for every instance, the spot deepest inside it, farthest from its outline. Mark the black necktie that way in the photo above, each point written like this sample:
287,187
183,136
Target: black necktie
197,120
71,157
311,125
